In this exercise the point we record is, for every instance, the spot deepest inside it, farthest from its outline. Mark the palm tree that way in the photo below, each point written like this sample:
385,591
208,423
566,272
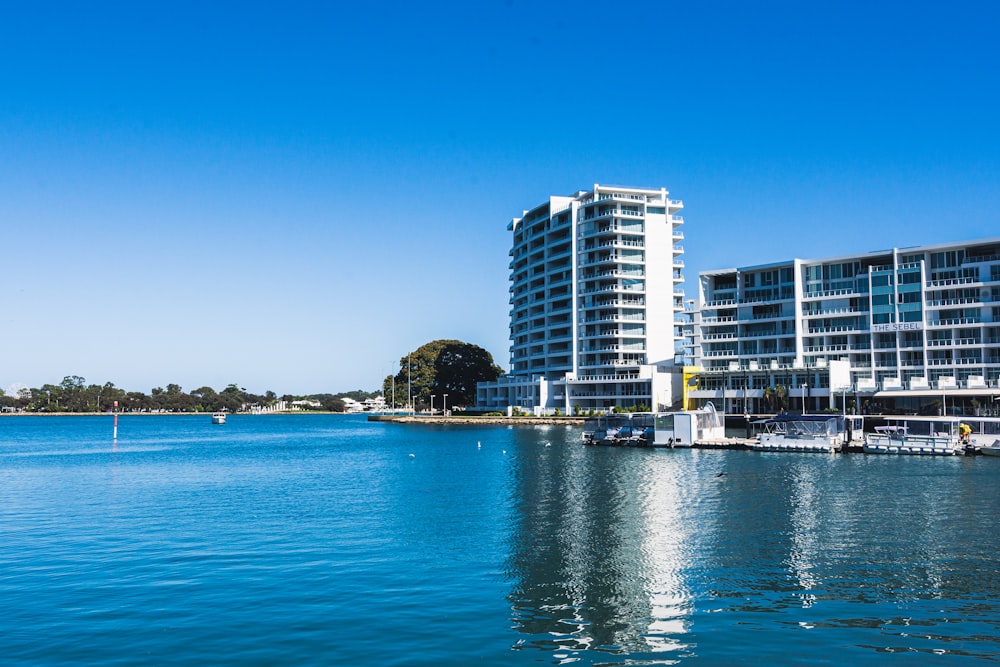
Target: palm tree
781,391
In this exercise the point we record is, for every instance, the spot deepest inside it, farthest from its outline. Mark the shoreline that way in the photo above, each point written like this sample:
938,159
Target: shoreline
479,420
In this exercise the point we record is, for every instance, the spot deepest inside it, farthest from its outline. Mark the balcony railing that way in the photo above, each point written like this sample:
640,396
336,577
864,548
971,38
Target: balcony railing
835,292
832,311
952,281
952,302
956,321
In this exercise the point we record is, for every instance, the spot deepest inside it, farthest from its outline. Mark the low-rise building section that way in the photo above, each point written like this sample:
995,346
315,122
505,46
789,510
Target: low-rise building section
907,330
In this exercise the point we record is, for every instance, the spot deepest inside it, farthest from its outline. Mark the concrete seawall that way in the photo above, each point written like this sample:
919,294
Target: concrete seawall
480,421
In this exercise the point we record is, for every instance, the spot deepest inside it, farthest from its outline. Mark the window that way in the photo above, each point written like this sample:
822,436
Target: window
949,258
881,280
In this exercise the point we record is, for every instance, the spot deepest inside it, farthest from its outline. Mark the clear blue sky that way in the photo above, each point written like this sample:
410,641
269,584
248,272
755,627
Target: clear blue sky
290,196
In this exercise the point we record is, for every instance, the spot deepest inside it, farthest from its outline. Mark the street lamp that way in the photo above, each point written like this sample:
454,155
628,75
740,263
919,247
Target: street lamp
444,408
432,404
805,388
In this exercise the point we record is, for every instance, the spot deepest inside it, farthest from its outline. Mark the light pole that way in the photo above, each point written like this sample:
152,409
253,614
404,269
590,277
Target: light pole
444,408
805,387
432,404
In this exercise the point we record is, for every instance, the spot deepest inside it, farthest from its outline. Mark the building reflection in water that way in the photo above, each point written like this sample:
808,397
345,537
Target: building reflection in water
661,556
601,545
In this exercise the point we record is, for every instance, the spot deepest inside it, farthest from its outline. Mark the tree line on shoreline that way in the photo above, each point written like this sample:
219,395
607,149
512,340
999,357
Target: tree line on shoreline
73,394
444,369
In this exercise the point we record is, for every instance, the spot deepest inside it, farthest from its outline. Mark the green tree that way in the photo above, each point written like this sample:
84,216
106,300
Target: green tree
333,404
781,396
136,401
46,398
206,399
443,367
73,394
233,397
769,397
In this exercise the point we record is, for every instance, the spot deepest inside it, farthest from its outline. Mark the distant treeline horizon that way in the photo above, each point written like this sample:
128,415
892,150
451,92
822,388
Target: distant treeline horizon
73,394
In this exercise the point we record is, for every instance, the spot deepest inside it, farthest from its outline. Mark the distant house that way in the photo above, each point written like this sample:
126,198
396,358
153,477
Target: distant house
376,404
350,405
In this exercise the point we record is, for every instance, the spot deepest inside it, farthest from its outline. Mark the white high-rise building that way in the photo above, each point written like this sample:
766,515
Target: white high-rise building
596,303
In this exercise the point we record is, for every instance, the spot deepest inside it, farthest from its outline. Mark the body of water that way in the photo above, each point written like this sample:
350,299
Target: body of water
318,540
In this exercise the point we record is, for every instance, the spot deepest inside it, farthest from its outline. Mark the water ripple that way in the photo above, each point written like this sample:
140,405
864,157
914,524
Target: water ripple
321,540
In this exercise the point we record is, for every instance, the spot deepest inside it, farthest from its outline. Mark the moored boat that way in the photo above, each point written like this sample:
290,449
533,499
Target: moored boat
606,430
809,433
982,435
628,430
928,436
687,427
936,436
991,450
219,418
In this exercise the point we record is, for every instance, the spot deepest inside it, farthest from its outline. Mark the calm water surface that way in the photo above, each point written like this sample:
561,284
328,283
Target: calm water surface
329,540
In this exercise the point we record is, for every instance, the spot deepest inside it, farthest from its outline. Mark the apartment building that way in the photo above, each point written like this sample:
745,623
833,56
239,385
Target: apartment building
907,330
596,303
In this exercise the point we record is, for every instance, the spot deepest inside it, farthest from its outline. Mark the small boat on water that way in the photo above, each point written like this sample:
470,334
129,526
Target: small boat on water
686,427
983,435
612,430
219,418
809,433
991,450
662,429
935,436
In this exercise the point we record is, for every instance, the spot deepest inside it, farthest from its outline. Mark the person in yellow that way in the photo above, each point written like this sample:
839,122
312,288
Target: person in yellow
964,431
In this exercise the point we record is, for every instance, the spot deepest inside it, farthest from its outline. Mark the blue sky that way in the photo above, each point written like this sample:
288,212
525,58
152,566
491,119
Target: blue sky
291,196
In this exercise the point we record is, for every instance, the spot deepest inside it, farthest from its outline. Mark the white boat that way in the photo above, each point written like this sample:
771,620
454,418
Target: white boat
646,429
628,430
939,436
809,433
928,436
219,418
685,428
991,450
984,433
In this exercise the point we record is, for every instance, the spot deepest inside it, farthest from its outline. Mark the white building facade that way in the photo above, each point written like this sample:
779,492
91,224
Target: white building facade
596,304
912,329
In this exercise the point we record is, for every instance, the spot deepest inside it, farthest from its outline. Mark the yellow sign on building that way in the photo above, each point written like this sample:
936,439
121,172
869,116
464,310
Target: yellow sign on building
691,375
